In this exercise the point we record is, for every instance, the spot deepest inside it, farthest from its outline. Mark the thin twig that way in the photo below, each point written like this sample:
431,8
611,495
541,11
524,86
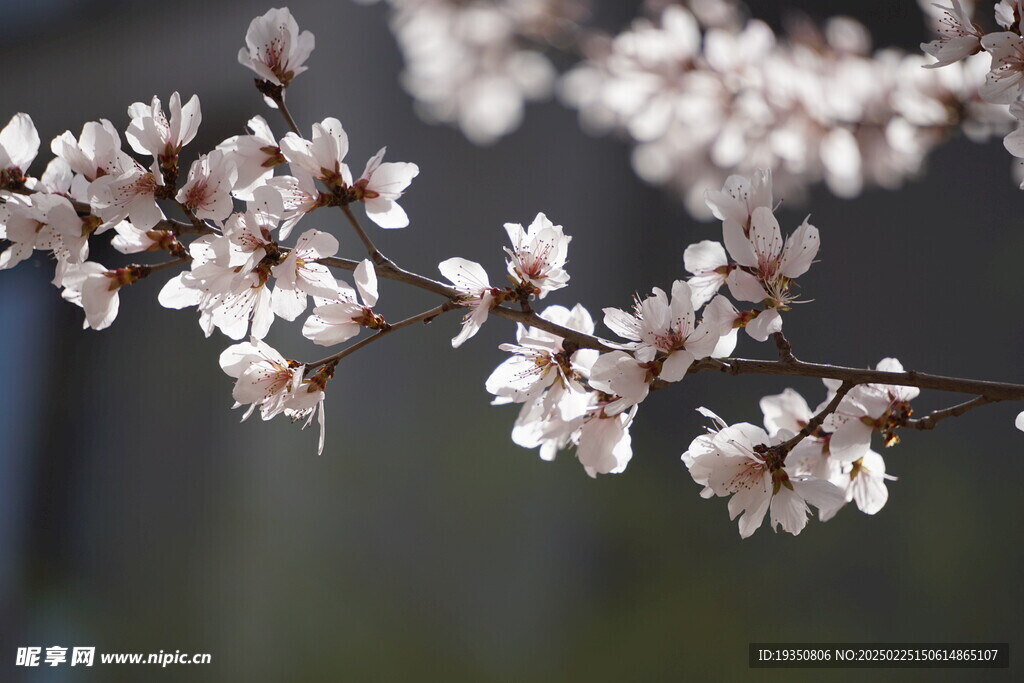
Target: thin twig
199,226
929,421
283,108
815,422
425,317
378,258
743,366
371,249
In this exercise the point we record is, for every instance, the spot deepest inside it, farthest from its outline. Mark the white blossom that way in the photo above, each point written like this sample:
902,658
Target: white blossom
272,383
95,289
958,36
1005,80
472,282
254,157
131,195
151,132
323,155
342,317
95,153
767,268
863,482
604,445
380,186
541,363
19,144
660,326
868,408
207,192
737,461
538,255
299,274
275,50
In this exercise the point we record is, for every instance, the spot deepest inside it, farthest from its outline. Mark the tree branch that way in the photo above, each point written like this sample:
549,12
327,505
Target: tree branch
929,421
815,422
198,226
371,249
733,366
742,366
784,347
277,95
425,317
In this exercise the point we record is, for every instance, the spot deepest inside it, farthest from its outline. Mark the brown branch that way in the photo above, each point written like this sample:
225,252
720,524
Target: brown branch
734,366
391,271
929,421
815,422
200,227
277,95
371,249
742,366
425,317
784,347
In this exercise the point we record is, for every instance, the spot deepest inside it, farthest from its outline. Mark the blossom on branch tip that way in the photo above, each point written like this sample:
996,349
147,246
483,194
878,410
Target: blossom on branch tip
95,289
739,461
19,144
538,255
275,50
322,156
267,380
380,186
95,153
151,132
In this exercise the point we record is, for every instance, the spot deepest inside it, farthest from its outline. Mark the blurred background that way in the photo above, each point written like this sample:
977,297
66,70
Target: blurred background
138,515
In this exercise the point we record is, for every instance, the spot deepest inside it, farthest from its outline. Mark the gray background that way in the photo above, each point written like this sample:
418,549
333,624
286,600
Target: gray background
136,514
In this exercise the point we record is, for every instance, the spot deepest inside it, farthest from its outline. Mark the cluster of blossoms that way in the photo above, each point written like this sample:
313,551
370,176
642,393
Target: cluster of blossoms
241,274
473,63
831,464
575,389
703,92
578,396
702,101
960,40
